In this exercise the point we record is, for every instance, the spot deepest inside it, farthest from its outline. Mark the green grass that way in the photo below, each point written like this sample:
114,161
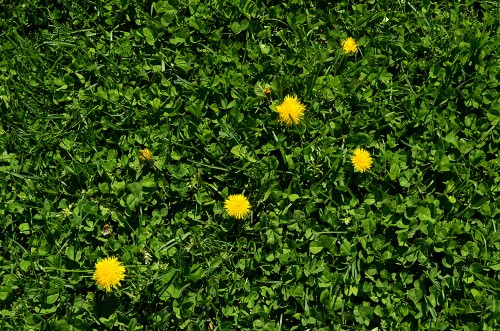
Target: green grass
412,244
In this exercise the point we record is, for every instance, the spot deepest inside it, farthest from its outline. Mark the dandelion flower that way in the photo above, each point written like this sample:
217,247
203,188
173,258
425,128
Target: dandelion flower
291,110
267,91
237,206
109,272
361,160
145,155
349,45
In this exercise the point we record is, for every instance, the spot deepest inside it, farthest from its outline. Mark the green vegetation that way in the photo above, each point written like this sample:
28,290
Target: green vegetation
410,244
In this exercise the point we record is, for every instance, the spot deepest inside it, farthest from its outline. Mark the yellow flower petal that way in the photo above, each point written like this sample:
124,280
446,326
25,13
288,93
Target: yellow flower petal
145,155
349,45
291,110
361,160
237,206
109,272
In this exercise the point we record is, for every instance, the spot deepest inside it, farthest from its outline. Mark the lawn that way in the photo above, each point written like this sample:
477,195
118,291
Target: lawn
249,165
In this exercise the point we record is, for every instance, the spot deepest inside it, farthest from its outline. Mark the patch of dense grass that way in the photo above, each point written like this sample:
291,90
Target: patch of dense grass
411,244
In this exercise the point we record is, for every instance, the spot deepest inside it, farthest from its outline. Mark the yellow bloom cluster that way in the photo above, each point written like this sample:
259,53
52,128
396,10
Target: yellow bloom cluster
290,111
349,45
108,273
145,155
361,160
237,206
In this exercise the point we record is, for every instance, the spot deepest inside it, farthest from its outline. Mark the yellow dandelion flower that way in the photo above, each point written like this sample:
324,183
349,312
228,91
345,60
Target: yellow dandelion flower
145,155
361,160
237,206
267,90
109,272
349,45
291,110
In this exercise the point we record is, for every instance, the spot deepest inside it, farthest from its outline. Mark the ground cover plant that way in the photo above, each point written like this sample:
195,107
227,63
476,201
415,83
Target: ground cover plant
249,165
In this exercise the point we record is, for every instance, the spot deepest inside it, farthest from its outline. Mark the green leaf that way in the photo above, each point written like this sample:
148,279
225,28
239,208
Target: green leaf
135,189
495,266
394,172
345,248
72,254
315,247
150,35
180,36
24,228
174,155
4,292
239,27
265,48
415,294
132,201
25,265
51,299
424,213
149,182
